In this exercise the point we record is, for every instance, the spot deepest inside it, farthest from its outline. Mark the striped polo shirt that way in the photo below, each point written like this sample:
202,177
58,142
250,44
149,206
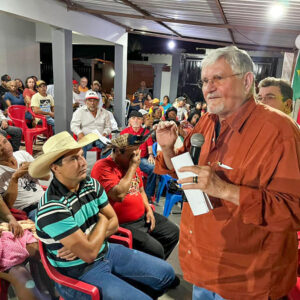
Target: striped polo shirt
62,212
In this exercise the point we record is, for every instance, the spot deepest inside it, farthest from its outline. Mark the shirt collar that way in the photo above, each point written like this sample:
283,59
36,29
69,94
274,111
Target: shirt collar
239,117
62,190
86,108
138,132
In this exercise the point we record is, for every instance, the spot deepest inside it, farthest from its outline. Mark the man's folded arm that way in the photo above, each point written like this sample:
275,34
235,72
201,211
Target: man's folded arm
87,247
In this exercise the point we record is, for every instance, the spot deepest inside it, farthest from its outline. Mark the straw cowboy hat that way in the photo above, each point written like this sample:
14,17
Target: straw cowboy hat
54,148
127,140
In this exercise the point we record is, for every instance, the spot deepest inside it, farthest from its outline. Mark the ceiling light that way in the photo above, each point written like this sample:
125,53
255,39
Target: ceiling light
171,45
276,11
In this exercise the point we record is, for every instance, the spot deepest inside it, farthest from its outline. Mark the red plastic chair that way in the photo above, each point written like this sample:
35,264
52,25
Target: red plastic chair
17,115
44,121
125,239
295,292
94,149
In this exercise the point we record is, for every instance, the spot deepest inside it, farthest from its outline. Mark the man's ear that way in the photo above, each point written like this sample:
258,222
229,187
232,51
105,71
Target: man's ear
248,81
288,106
54,168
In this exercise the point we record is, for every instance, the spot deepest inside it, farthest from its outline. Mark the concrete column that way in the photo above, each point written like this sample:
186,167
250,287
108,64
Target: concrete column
62,77
157,80
120,81
175,68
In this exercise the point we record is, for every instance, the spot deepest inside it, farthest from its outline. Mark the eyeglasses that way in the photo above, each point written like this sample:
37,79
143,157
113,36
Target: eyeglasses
266,98
216,80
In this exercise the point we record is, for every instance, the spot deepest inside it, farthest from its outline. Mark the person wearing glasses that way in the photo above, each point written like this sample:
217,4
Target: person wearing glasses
276,93
245,247
89,118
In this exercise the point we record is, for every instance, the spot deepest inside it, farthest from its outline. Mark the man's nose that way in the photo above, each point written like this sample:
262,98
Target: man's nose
210,86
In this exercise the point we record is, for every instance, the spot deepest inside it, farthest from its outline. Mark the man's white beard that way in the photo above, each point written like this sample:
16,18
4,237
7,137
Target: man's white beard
215,109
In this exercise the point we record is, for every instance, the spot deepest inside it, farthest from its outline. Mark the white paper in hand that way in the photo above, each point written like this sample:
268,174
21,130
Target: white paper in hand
102,138
198,201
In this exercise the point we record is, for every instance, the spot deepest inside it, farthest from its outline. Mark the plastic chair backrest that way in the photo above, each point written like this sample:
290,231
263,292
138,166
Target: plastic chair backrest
154,149
17,114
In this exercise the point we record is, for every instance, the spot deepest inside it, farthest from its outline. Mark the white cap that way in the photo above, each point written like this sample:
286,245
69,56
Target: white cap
91,95
143,111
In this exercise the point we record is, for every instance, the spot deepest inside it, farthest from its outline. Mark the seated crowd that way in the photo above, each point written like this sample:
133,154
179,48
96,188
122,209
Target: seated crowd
77,213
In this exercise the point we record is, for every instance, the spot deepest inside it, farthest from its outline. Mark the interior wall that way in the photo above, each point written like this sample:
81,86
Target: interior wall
165,84
19,51
135,74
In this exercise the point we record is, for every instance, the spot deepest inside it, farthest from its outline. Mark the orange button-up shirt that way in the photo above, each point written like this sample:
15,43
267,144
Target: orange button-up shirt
248,251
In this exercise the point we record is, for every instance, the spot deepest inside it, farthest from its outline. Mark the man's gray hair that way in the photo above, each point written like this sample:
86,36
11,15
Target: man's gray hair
238,59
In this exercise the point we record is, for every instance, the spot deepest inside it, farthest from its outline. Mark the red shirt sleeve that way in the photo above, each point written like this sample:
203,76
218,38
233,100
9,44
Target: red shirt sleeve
105,172
26,92
139,172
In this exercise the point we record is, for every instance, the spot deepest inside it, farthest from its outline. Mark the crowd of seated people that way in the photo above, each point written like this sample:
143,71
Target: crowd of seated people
121,174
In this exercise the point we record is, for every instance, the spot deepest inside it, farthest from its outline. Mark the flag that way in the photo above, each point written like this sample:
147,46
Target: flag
296,79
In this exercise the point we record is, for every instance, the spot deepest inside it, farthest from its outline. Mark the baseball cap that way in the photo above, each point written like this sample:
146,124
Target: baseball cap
75,82
143,111
5,78
135,113
156,100
181,98
40,82
91,95
96,82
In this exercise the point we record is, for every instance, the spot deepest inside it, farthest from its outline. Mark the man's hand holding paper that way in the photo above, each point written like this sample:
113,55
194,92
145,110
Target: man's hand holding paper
210,183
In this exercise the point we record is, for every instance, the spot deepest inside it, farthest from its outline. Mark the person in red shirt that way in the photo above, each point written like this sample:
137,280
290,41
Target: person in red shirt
147,159
121,178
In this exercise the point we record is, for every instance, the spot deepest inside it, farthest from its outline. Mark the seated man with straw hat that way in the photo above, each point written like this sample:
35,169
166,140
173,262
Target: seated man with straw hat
75,219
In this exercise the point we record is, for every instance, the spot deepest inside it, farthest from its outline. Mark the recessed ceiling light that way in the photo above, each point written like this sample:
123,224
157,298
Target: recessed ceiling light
171,45
276,11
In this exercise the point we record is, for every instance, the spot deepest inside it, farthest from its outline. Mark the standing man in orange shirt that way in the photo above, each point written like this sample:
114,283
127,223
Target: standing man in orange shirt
246,246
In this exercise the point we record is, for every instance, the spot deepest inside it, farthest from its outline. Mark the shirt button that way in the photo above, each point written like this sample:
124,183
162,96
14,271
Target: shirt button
191,231
189,251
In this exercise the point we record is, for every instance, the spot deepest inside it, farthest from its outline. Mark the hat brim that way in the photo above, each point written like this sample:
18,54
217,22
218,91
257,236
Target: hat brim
40,167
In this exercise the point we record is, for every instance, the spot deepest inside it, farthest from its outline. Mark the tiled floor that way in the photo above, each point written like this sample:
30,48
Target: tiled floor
184,290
